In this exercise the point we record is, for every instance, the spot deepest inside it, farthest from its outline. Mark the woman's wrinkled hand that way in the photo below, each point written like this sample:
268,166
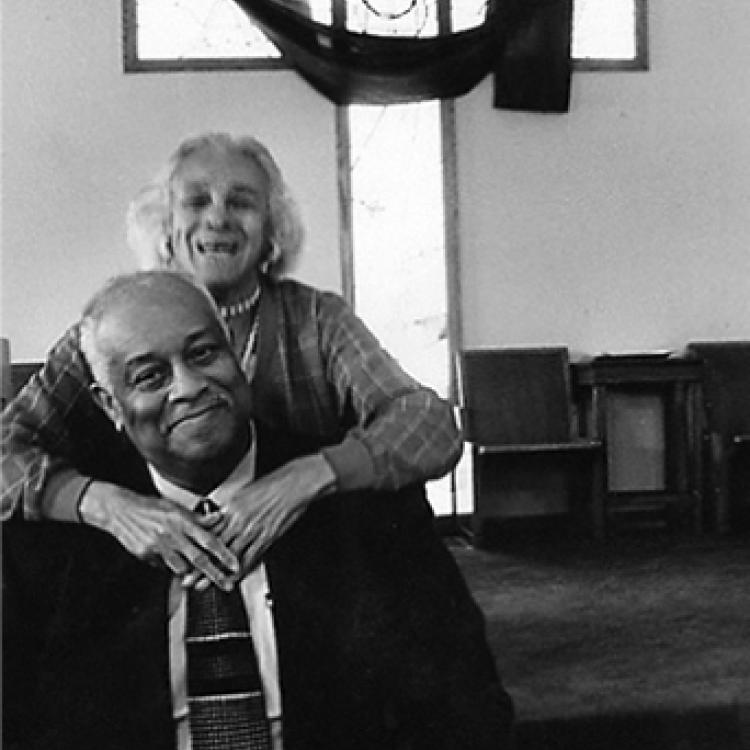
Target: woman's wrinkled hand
162,532
255,518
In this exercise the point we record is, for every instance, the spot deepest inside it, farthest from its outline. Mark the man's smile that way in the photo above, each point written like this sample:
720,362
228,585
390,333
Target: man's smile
196,413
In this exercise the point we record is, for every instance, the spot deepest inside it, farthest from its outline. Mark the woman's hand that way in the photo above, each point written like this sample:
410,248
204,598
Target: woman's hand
157,530
256,517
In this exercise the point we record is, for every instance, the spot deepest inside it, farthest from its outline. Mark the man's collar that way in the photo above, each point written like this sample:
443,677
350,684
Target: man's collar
241,476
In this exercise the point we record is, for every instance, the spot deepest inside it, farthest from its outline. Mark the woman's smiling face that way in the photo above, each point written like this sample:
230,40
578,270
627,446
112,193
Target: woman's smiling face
219,214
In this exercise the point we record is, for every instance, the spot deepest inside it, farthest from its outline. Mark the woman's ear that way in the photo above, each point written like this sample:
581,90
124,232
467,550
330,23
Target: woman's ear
107,404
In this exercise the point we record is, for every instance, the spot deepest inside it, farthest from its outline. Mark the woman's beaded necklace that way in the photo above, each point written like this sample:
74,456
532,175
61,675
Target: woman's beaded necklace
238,308
250,304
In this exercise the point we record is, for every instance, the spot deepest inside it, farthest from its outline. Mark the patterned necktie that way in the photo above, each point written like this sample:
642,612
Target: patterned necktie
227,708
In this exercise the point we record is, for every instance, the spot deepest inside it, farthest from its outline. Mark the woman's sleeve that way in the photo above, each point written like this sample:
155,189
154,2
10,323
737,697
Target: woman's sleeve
405,433
38,437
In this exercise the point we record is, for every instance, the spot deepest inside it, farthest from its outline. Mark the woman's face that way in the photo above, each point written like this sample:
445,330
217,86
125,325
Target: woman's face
218,220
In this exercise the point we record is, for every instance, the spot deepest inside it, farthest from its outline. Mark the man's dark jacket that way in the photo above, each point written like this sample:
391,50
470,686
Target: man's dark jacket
379,641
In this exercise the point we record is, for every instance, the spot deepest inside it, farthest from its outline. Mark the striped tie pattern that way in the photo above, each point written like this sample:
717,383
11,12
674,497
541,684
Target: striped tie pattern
225,696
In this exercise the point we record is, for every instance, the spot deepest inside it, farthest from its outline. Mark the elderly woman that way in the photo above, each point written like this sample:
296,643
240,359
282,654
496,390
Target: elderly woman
221,211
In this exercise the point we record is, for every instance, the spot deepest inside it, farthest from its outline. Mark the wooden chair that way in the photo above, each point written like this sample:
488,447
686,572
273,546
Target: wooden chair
20,372
726,416
516,409
13,375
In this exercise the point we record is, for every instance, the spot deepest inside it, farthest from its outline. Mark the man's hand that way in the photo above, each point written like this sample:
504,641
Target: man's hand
268,507
157,530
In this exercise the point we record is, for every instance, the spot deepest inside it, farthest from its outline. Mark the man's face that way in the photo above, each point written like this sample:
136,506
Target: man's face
219,214
176,387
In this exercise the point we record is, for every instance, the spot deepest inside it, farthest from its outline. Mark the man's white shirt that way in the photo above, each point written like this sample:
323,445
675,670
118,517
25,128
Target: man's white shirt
255,594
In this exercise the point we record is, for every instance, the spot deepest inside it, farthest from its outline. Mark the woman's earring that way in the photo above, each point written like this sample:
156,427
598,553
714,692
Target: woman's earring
275,255
272,257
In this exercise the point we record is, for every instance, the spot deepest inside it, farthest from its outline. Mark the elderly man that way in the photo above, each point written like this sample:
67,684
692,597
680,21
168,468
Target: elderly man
355,632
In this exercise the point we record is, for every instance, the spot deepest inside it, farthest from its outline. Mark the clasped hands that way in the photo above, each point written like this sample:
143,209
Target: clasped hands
219,548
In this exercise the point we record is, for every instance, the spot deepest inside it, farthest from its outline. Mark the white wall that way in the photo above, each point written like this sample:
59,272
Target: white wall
80,137
622,225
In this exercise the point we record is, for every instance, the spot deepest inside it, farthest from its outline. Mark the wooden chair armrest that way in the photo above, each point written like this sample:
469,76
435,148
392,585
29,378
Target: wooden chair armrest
571,447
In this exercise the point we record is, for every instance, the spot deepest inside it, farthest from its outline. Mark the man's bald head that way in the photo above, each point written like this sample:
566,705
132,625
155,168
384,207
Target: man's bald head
166,373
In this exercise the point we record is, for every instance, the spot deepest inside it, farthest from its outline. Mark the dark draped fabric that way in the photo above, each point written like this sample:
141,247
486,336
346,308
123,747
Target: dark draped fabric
532,71
525,42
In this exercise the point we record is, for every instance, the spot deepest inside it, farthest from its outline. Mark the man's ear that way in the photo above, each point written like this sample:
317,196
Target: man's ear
107,404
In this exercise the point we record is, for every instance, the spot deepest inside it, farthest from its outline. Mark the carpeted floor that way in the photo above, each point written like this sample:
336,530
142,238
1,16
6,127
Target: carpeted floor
637,643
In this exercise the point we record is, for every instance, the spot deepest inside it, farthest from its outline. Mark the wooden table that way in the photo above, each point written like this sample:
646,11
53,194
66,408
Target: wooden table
678,382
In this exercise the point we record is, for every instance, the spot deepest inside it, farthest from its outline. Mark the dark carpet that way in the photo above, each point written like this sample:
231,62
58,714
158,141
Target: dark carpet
640,642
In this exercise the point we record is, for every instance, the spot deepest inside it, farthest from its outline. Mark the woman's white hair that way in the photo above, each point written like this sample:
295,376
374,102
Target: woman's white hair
148,218
127,287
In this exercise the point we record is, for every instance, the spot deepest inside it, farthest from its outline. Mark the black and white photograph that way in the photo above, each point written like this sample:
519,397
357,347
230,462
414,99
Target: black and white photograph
375,375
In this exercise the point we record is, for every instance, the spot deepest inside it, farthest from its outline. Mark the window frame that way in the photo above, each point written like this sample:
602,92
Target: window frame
616,64
133,64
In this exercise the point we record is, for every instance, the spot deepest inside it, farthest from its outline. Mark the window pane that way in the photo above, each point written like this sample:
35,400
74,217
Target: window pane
174,29
393,17
399,235
399,242
604,29
466,14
